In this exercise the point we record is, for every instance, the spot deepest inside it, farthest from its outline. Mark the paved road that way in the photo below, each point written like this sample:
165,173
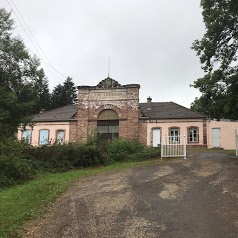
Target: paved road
192,198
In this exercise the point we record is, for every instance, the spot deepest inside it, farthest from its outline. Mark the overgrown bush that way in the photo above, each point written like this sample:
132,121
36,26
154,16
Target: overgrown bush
20,161
67,156
130,150
14,170
14,165
121,150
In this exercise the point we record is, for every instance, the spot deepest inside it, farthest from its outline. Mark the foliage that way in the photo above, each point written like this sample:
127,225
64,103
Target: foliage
218,55
130,150
65,94
41,92
66,157
20,161
18,70
14,170
14,165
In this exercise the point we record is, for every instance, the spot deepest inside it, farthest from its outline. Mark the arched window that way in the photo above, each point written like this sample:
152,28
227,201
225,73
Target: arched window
108,124
44,137
60,136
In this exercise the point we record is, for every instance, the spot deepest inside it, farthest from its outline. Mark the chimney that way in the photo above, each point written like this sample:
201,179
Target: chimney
149,99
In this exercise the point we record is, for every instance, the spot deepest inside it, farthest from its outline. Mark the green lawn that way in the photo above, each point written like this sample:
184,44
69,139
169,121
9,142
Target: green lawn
27,201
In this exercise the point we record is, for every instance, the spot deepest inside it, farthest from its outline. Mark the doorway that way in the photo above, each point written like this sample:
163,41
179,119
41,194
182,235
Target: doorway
216,137
156,137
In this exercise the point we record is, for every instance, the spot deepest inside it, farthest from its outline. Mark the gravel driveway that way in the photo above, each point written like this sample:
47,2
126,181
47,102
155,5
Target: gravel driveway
192,198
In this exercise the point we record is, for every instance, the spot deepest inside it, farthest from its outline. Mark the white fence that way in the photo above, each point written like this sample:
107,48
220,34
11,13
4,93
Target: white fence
173,146
236,141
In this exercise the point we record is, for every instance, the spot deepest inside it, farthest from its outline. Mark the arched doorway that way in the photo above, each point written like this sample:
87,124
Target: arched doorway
108,124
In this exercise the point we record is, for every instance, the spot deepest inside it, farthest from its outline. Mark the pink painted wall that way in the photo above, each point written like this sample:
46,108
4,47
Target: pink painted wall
227,133
53,127
182,124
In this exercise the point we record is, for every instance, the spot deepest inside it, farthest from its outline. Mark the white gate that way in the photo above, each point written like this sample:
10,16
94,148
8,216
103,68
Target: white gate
236,141
173,146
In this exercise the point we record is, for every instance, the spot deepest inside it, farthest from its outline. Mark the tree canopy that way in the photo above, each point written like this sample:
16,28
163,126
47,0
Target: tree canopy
24,87
218,51
64,94
19,75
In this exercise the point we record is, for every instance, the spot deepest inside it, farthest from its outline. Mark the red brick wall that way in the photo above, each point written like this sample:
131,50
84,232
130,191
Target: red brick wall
126,108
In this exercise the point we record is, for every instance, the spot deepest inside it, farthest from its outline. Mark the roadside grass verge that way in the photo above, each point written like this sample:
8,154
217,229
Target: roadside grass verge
192,150
31,199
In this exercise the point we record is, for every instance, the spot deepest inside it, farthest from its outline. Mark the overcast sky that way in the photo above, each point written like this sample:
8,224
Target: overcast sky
148,42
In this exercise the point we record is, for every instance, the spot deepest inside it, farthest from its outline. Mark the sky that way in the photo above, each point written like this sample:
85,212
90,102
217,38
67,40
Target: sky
148,42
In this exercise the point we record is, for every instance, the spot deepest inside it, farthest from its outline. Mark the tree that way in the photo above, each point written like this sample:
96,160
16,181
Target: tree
17,73
42,92
218,51
65,94
70,91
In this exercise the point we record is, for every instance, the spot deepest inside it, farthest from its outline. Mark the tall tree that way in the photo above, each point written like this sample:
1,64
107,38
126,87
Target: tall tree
70,91
17,72
65,94
42,92
218,51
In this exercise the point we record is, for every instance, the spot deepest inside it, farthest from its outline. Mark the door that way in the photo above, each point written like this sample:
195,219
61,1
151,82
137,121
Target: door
216,139
156,137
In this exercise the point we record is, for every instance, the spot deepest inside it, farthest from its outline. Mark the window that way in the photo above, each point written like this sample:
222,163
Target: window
26,136
173,135
193,134
60,137
108,125
44,137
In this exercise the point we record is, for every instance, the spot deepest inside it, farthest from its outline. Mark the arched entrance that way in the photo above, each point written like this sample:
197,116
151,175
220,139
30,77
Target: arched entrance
108,125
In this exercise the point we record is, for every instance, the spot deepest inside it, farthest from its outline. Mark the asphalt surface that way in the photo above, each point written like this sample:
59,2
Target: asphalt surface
192,198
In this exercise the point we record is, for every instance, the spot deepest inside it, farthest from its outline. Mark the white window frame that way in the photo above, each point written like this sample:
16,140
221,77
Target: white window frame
174,134
46,139
193,140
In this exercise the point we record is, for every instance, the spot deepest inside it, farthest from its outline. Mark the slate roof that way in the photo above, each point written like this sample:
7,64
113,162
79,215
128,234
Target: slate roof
168,110
158,110
66,113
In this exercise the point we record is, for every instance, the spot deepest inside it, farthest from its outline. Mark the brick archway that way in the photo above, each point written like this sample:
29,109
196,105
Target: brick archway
109,106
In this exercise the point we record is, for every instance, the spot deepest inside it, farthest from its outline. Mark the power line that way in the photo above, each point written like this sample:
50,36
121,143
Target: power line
36,46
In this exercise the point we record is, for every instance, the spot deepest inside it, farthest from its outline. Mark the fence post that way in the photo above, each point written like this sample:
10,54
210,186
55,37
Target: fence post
185,153
236,141
161,148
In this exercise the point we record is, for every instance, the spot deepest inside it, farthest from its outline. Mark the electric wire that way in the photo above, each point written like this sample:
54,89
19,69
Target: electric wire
36,45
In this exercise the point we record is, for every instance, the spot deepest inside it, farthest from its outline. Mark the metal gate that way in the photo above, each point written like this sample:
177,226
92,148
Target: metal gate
236,141
173,146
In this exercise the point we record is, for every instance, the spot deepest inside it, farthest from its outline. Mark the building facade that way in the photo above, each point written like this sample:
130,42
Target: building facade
113,111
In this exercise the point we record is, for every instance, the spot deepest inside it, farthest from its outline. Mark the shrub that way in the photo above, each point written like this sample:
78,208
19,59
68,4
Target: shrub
121,150
67,156
14,170
12,147
20,161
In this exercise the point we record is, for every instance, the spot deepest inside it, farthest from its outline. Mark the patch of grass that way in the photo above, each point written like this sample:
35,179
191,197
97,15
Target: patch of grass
192,150
231,152
27,201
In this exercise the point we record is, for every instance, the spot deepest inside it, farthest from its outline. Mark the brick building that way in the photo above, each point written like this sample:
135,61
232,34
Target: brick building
113,111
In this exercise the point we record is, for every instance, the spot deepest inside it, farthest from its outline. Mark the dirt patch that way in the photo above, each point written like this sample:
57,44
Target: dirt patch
208,168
